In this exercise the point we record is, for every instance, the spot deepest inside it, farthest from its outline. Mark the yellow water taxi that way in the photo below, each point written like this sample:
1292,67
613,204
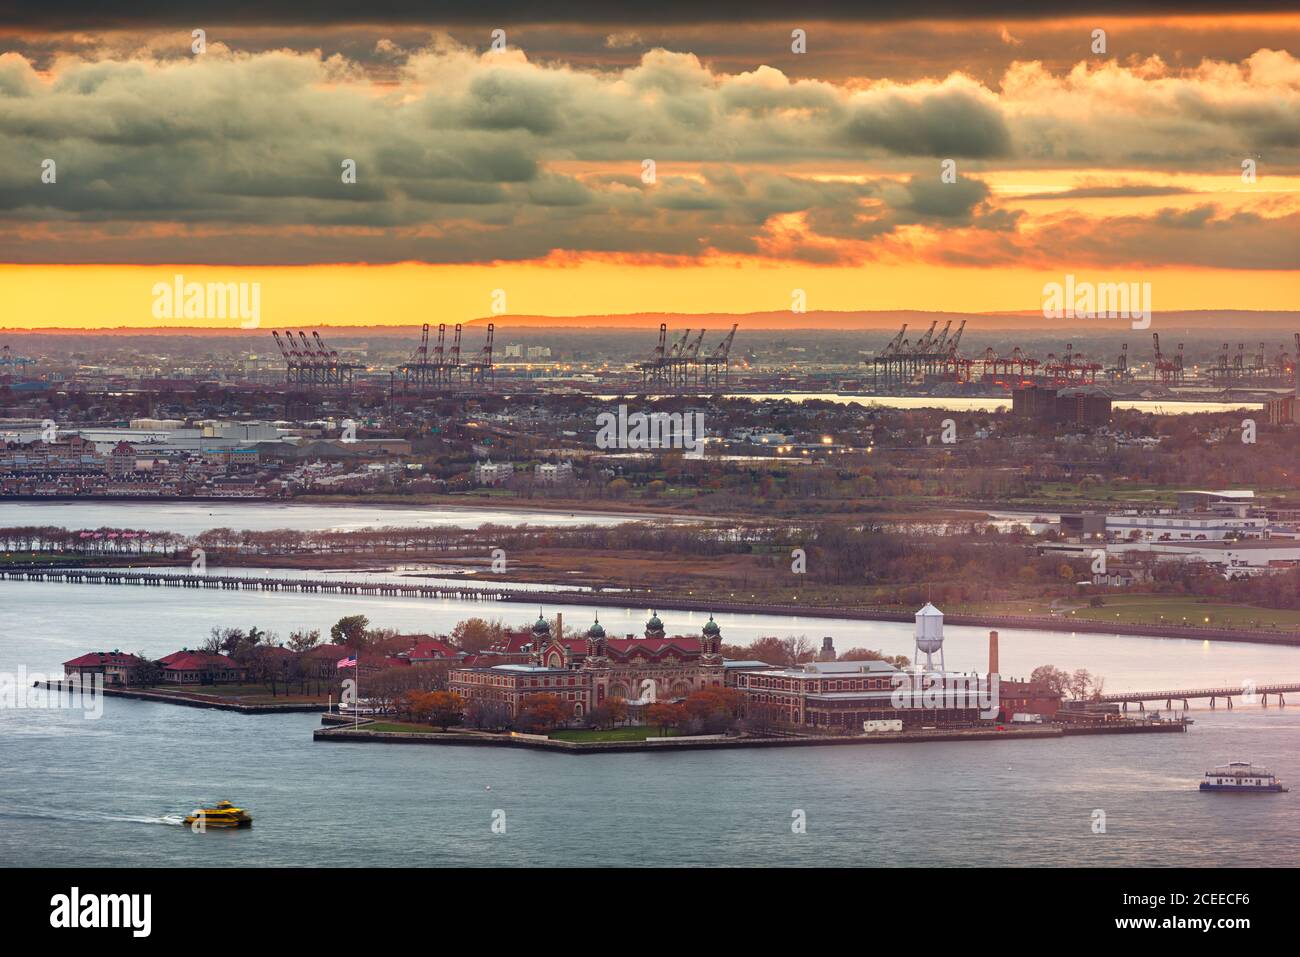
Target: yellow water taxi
224,814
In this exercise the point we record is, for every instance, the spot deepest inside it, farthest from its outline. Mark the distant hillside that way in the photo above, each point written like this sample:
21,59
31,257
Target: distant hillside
1231,322
1226,320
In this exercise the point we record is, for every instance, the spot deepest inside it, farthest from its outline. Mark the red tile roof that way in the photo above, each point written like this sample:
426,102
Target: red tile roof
513,642
195,661
115,658
432,648
621,648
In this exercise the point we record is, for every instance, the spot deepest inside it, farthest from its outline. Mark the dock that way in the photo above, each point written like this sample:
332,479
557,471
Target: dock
1246,692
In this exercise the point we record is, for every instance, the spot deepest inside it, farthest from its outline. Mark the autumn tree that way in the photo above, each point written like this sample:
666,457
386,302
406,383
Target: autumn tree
665,716
714,710
413,705
617,709
475,635
770,650
542,712
445,708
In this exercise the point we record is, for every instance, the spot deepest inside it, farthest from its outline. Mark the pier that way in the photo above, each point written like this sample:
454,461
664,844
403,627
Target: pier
260,583
1278,690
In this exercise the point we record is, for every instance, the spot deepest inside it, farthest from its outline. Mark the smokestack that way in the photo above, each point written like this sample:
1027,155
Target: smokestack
993,653
559,625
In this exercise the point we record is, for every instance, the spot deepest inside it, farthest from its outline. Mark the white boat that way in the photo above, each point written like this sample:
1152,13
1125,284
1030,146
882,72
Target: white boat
1240,776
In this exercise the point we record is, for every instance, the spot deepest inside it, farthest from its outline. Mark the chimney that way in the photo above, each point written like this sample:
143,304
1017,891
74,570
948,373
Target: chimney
559,625
993,653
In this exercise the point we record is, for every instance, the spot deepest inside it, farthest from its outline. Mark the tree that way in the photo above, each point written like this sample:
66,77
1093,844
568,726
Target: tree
714,709
1055,680
617,709
542,712
599,717
476,635
445,708
866,654
300,641
665,716
770,650
413,705
145,675
486,714
351,631
1083,684
798,651
761,717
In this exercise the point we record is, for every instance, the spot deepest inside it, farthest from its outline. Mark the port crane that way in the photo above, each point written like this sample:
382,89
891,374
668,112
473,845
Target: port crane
312,365
715,368
479,369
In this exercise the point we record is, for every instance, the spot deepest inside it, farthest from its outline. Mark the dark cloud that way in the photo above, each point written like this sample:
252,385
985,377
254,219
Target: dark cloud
86,14
954,122
467,157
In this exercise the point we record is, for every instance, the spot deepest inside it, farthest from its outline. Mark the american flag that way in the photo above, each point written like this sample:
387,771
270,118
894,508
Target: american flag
348,662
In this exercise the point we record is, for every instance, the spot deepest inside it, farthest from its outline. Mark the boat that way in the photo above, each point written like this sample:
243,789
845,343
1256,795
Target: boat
224,814
1239,776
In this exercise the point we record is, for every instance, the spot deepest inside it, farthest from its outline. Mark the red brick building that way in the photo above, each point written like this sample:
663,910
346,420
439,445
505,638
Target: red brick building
200,668
115,666
584,672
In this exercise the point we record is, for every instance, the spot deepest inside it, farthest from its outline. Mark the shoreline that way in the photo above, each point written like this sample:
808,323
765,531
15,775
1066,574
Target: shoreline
189,700
495,740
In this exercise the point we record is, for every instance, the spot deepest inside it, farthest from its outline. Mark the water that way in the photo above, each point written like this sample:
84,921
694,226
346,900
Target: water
988,403
110,791
190,518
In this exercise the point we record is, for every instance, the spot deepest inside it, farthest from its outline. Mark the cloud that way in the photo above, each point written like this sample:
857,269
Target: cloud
464,156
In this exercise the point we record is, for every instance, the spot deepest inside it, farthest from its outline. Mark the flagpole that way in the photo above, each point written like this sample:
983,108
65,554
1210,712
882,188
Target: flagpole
356,705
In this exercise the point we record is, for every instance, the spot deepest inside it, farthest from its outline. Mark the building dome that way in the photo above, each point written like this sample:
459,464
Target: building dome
654,628
711,628
541,628
596,630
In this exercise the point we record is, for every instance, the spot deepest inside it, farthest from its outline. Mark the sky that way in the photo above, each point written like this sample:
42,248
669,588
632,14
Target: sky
896,157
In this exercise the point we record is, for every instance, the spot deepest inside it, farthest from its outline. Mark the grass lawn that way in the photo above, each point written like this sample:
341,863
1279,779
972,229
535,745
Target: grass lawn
638,733
1146,610
242,694
1177,610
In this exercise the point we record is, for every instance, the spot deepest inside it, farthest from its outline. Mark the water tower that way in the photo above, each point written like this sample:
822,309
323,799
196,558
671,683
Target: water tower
929,637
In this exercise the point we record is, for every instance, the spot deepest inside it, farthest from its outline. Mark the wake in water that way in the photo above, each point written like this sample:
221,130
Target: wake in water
173,820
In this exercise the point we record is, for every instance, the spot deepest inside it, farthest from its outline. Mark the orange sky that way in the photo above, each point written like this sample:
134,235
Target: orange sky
410,294
511,183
